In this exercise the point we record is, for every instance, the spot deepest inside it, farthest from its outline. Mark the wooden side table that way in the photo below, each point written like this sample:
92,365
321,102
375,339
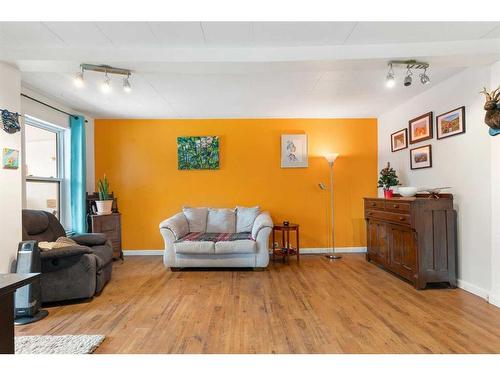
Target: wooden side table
285,250
109,225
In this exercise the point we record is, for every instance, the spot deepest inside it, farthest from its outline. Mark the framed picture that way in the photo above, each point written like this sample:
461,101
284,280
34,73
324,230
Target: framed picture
421,157
294,151
420,128
10,158
450,123
197,153
399,140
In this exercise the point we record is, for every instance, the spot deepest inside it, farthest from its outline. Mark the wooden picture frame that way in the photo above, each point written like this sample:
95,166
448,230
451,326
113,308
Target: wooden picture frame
399,140
421,157
450,123
420,128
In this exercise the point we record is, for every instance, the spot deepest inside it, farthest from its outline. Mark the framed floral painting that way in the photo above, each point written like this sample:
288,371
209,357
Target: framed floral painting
198,153
450,123
399,140
294,151
420,128
10,158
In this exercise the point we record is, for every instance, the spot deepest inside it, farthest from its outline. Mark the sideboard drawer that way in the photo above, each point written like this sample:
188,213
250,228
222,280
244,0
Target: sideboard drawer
397,206
390,216
374,204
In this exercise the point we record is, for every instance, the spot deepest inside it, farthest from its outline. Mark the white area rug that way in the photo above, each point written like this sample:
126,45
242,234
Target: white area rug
67,344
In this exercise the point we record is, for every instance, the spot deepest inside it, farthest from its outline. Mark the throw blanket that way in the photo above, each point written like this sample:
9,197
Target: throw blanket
60,243
215,237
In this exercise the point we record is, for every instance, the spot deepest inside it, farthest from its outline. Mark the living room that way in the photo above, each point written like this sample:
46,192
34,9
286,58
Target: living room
229,185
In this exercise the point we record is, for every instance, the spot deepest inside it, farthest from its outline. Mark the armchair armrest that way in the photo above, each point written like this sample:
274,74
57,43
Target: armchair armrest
262,221
177,224
90,239
64,252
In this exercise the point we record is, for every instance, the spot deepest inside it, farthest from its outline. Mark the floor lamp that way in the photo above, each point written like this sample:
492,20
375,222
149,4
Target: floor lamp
331,159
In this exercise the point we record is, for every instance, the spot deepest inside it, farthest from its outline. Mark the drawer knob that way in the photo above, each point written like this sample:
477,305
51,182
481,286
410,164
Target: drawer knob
370,213
374,204
401,218
395,205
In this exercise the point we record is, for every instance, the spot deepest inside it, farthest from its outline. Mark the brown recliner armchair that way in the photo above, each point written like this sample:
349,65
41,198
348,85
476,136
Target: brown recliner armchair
72,272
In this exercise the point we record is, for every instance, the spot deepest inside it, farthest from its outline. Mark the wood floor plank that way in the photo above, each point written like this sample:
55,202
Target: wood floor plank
317,306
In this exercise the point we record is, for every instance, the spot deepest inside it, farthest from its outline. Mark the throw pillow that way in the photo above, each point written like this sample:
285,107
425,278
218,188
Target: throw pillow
221,220
245,217
196,218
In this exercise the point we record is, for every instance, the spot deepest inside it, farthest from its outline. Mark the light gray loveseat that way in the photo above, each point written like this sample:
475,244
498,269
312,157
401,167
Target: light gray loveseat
210,237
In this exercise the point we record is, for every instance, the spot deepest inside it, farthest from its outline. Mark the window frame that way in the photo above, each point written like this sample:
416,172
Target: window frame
60,177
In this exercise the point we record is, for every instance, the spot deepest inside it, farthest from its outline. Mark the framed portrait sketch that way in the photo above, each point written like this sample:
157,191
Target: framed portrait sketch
294,151
399,140
421,157
420,128
450,123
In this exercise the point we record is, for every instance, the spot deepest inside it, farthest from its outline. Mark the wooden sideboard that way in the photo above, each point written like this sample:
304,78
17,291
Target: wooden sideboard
414,238
110,225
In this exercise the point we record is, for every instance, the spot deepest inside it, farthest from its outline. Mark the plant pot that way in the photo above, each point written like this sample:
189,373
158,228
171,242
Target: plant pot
104,207
388,193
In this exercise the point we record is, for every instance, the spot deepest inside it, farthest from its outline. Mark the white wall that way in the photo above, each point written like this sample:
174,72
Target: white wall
462,162
495,201
10,180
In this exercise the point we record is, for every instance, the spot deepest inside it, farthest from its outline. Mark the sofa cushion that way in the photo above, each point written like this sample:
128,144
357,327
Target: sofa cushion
194,247
236,247
196,218
245,217
221,220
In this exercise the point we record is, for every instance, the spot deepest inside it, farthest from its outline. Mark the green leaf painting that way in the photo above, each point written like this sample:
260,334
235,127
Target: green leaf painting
198,153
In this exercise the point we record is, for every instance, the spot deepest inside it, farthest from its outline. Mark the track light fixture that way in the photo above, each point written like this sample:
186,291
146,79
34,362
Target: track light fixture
408,79
126,84
390,81
409,65
78,79
106,83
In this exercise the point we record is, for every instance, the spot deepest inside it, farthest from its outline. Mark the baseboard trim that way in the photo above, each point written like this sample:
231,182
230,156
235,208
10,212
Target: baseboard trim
129,253
474,289
494,300
325,250
306,250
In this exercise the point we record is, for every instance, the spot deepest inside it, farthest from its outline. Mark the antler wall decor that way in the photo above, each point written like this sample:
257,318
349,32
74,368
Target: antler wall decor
492,117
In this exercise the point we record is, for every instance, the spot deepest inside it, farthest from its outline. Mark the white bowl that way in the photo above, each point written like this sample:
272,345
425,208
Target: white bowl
407,191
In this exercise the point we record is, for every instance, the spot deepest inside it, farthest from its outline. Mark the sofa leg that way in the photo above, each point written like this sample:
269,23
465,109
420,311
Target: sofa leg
259,269
175,269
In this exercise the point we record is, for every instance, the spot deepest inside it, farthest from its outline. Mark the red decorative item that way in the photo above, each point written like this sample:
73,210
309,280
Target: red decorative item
388,193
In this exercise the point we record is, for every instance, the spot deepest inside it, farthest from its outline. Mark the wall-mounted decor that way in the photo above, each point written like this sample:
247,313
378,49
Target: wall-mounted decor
10,158
198,153
399,140
492,117
450,123
420,128
421,157
10,121
294,151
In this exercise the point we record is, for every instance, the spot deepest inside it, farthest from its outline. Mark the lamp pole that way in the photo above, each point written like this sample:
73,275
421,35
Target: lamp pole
331,158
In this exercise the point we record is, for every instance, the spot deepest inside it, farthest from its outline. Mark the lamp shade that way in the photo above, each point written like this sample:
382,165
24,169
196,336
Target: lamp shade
331,157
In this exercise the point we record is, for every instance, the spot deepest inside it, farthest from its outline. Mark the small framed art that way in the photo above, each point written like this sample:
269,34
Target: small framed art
420,128
10,158
294,151
450,123
421,157
399,140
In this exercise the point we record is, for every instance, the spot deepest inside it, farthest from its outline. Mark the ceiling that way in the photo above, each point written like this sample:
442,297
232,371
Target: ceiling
241,69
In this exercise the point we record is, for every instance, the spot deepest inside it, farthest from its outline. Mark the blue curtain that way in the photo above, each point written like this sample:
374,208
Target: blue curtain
78,173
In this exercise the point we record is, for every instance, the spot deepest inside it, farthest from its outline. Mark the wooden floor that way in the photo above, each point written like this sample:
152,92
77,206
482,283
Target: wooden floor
319,306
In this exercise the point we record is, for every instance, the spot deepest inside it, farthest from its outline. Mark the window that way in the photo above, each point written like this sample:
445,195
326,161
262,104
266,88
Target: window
44,165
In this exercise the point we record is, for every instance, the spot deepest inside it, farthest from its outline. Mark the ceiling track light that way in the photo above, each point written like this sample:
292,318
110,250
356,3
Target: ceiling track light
409,65
106,69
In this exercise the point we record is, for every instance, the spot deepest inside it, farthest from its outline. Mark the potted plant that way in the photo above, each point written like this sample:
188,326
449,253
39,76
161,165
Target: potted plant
104,203
388,178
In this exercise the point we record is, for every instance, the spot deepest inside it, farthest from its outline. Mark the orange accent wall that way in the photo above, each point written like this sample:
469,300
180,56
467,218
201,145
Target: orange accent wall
140,159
